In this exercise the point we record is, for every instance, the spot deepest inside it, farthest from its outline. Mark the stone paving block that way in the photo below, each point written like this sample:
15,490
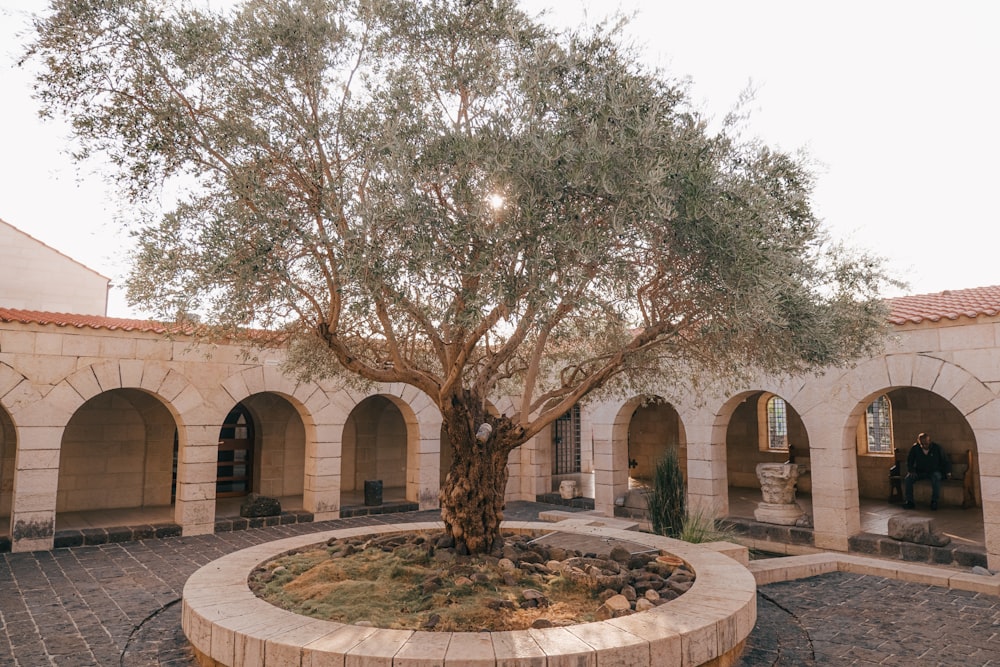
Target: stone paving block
615,647
332,649
922,574
423,649
737,552
563,649
976,583
377,649
665,643
792,567
519,648
284,649
471,649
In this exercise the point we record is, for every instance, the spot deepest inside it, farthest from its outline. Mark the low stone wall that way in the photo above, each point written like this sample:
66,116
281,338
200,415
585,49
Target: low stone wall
228,625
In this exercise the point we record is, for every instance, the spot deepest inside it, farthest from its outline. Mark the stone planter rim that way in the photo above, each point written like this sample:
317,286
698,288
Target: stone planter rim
228,625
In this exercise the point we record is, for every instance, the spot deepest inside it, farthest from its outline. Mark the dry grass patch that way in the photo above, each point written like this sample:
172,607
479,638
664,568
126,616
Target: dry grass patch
406,587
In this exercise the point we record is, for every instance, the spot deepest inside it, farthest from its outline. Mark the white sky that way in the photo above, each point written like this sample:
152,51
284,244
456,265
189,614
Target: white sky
895,100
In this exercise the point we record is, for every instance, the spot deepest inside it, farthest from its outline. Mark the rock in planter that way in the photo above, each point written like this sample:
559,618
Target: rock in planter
916,529
256,505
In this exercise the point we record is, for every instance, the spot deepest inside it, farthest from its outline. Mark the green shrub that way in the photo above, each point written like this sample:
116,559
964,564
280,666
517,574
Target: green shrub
701,526
666,499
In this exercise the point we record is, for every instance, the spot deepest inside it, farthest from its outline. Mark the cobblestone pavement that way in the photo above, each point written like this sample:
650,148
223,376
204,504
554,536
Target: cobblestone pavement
118,605
849,619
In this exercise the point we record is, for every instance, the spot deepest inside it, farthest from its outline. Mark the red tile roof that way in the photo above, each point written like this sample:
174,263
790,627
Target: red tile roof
950,304
84,321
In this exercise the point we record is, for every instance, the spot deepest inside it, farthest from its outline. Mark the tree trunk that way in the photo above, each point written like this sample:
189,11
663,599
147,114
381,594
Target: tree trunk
472,497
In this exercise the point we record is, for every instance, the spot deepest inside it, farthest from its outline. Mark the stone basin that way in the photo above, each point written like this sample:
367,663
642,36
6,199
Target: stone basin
228,625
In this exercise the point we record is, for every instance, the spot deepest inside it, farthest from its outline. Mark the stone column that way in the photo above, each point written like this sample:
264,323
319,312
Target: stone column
777,487
609,468
36,481
197,458
708,488
321,486
836,512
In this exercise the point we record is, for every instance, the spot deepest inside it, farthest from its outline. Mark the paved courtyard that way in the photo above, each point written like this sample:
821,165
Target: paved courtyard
118,605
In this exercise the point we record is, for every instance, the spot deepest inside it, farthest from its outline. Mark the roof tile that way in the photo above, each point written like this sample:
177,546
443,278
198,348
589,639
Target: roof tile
949,304
84,321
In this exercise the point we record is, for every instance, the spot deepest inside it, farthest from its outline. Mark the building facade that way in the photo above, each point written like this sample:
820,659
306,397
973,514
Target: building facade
34,275
99,414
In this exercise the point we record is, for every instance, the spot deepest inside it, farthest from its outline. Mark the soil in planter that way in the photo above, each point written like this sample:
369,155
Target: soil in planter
418,581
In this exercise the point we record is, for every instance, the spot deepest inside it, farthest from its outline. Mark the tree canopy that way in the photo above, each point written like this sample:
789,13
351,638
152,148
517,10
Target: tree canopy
450,194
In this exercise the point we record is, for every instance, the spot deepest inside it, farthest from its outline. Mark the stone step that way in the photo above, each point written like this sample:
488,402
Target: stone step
590,518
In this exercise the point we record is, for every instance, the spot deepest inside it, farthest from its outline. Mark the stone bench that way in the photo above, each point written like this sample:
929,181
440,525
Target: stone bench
958,491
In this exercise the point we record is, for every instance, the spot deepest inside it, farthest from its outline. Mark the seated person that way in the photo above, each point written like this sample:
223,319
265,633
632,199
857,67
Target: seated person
926,460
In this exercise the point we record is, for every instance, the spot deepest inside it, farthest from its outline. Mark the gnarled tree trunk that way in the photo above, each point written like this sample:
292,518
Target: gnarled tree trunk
472,497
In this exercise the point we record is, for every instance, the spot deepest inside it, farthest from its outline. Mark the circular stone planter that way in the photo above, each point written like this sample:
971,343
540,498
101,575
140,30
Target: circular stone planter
228,625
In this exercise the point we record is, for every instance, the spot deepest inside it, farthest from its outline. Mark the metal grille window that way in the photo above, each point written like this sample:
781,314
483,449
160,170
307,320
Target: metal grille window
566,442
878,424
777,423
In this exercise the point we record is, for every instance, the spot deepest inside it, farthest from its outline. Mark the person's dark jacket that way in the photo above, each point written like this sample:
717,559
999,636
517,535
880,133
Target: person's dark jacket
935,460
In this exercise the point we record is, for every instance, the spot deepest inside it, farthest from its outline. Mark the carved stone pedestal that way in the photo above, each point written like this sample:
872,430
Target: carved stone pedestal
777,487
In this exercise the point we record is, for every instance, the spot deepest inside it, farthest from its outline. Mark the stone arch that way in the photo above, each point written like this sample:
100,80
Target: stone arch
644,427
959,396
832,407
42,415
10,379
385,441
969,395
296,450
915,410
118,452
747,442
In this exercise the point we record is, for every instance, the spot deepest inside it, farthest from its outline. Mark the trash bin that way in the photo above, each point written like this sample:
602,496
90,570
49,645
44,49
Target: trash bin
373,492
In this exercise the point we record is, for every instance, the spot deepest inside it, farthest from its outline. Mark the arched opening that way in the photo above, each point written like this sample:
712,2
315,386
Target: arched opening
764,428
262,444
117,462
887,429
654,428
8,447
373,450
234,463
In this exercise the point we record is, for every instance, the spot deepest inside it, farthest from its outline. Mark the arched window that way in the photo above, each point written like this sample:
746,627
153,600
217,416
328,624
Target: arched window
878,425
772,420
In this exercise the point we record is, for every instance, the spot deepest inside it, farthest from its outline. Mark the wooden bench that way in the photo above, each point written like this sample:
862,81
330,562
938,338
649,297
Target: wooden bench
959,490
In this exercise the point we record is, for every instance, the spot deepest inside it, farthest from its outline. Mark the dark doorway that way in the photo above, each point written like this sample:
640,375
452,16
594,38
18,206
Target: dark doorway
234,470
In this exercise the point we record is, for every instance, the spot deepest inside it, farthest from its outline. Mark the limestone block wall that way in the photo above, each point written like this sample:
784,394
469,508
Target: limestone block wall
85,408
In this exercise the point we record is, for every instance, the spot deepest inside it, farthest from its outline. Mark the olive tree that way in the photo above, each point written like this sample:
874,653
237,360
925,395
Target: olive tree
452,195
